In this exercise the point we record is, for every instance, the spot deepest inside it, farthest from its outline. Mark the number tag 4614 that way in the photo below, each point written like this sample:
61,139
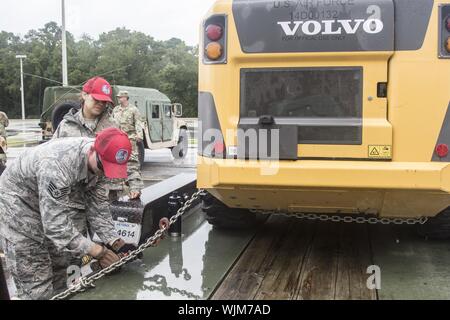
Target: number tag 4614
129,232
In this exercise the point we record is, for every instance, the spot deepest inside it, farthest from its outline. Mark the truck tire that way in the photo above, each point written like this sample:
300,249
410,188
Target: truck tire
141,150
180,151
221,216
437,228
61,110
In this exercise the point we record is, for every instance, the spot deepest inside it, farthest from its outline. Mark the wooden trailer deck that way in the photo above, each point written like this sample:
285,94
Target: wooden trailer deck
300,260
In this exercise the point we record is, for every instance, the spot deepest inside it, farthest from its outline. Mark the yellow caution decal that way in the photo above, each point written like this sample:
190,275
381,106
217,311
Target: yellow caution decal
380,152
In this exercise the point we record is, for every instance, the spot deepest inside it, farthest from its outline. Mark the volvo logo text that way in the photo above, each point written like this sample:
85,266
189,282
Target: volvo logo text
331,27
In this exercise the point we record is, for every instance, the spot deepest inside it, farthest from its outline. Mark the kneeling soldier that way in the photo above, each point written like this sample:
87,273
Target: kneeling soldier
46,195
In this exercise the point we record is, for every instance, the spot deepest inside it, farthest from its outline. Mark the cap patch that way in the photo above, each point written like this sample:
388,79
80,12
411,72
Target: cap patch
106,89
121,156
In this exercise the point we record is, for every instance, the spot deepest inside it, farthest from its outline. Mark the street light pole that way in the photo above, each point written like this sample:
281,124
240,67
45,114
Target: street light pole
21,57
64,46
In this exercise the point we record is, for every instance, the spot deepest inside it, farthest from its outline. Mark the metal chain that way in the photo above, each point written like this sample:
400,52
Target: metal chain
183,293
88,281
164,288
344,218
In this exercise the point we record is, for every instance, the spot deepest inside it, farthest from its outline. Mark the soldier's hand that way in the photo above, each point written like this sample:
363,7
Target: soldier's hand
117,245
106,258
134,195
163,222
120,247
95,250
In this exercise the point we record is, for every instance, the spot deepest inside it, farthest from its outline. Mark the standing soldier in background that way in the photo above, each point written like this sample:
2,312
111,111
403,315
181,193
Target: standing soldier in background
129,120
4,122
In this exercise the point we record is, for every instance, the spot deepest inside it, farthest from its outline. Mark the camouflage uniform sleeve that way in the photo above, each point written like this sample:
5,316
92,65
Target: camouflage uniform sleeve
54,186
6,121
112,118
139,123
114,113
59,132
98,213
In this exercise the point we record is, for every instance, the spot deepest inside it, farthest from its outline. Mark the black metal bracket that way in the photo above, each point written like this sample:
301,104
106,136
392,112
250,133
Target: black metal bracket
154,203
174,204
266,120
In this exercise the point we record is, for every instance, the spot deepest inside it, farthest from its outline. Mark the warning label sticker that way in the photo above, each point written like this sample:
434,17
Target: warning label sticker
380,152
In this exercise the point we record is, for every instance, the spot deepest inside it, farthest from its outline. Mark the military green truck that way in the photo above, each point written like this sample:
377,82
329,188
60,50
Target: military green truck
163,126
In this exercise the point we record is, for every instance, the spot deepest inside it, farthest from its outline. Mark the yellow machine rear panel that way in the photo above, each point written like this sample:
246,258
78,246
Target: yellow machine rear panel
393,171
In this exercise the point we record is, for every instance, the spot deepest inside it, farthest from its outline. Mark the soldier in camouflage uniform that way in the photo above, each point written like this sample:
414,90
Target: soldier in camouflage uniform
129,120
4,122
43,192
93,116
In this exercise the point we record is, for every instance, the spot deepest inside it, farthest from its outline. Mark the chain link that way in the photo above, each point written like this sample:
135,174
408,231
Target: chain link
344,218
88,281
165,289
183,293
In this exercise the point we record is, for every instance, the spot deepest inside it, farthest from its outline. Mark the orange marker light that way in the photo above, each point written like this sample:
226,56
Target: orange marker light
447,44
213,50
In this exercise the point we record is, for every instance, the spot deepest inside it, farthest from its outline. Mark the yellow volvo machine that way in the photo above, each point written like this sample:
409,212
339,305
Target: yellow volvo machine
326,107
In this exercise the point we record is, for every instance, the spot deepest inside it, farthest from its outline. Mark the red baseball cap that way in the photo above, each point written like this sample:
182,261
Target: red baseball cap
114,149
99,89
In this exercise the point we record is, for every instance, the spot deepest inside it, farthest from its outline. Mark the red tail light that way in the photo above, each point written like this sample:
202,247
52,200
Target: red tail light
214,32
442,150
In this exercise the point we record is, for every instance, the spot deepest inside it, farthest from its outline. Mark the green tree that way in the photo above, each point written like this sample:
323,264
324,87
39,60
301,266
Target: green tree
178,77
123,56
10,45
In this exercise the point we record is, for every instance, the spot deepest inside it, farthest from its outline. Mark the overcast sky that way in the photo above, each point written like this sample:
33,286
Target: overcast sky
158,18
